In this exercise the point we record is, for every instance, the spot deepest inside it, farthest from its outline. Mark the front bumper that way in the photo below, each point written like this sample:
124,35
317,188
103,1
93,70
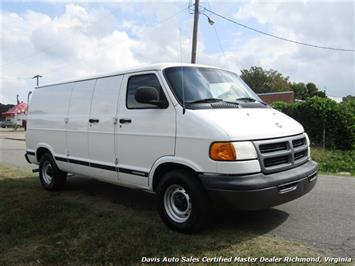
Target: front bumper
261,191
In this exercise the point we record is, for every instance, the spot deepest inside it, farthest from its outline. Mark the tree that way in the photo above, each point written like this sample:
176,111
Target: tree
261,81
349,98
314,91
300,90
278,81
257,79
4,108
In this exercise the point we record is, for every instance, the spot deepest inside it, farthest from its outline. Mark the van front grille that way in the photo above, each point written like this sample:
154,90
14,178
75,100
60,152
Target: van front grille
301,154
268,162
282,154
298,142
272,147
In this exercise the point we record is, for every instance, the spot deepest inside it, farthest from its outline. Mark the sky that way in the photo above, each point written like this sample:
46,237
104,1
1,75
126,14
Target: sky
63,40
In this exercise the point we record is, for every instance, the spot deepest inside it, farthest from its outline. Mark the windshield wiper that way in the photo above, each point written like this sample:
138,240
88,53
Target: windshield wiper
246,99
249,99
206,100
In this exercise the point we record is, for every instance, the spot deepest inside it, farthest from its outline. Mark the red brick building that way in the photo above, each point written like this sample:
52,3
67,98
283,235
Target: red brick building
284,96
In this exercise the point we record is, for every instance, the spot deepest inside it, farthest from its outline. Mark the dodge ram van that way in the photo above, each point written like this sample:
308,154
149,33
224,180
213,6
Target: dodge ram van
195,135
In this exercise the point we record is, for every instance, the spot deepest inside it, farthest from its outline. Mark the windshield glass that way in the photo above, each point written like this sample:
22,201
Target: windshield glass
202,83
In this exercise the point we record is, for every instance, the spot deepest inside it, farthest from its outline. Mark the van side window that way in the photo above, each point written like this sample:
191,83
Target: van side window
134,82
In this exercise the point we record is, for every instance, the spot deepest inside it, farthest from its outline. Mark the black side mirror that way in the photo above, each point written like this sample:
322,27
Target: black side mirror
150,95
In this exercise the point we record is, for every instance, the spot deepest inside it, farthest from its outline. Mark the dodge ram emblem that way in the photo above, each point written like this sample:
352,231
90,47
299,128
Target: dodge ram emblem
278,124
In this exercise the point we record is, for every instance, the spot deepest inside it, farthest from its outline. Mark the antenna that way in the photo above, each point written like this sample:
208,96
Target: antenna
182,76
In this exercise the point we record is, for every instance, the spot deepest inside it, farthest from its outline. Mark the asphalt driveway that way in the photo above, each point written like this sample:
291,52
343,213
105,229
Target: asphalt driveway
324,218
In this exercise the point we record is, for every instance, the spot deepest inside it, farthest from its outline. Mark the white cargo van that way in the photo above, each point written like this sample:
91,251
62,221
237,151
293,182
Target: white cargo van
195,135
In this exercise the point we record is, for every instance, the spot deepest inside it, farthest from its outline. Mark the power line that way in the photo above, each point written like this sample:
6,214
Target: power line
275,36
217,35
72,62
48,48
172,16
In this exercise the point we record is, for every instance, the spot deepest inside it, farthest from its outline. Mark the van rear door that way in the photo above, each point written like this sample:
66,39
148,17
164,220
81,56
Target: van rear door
102,127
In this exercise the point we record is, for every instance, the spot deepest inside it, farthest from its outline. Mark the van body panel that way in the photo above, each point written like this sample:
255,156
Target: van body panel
149,135
194,132
102,132
250,123
46,120
77,126
172,159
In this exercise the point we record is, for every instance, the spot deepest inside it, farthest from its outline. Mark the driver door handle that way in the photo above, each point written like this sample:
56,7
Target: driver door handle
93,120
125,121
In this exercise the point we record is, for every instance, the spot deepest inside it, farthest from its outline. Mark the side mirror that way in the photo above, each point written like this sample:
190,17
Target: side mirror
150,95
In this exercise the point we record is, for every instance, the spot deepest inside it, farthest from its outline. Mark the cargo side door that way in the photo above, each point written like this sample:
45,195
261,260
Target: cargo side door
77,127
102,128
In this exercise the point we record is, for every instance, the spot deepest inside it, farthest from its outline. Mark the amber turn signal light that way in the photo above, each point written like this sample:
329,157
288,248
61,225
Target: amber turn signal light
222,151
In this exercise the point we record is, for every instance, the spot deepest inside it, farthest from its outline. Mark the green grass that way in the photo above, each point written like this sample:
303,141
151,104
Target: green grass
334,161
94,223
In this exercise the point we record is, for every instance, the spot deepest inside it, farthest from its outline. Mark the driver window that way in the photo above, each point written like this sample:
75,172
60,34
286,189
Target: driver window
134,82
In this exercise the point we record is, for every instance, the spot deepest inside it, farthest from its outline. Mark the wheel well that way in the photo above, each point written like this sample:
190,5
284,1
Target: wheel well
164,168
40,152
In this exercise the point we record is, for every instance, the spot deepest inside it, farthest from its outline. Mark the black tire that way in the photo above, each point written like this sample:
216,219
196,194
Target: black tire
48,168
199,202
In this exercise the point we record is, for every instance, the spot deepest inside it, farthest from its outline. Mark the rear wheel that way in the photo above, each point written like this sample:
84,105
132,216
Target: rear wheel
51,177
183,204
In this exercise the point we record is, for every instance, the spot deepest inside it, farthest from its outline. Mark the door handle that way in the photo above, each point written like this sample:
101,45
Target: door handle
92,120
125,120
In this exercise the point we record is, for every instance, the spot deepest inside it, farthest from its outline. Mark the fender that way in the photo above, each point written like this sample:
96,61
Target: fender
44,145
170,159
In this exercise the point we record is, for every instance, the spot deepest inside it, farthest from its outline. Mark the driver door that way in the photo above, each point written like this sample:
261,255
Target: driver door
145,132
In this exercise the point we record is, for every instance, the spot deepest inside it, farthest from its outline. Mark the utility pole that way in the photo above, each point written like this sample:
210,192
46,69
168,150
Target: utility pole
37,77
195,30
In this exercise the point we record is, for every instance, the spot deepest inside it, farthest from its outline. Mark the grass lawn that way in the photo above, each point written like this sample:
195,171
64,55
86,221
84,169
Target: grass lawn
95,223
334,161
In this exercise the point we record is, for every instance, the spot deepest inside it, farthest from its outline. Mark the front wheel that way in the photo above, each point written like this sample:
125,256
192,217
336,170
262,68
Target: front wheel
183,204
51,177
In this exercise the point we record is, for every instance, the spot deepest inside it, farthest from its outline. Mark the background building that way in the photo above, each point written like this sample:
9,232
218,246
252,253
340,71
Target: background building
16,114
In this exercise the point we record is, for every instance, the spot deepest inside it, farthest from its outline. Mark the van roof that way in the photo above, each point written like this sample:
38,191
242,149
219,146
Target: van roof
160,66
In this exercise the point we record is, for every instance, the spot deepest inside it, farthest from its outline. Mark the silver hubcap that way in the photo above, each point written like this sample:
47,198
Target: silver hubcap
47,172
177,203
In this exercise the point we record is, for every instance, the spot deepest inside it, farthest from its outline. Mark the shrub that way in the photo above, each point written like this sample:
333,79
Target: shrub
324,116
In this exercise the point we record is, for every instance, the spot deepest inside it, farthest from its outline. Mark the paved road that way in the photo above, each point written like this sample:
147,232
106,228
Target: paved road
12,153
324,218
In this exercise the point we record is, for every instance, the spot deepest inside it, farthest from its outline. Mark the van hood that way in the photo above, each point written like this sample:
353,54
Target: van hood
251,123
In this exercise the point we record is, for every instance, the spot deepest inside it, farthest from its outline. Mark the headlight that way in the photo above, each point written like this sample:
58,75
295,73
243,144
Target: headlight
232,151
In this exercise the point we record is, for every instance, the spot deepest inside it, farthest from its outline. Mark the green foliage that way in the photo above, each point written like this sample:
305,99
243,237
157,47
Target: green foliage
4,108
312,90
262,81
300,90
334,161
349,98
319,115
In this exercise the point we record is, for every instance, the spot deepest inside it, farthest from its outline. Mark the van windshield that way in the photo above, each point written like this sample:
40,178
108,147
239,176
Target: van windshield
206,85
